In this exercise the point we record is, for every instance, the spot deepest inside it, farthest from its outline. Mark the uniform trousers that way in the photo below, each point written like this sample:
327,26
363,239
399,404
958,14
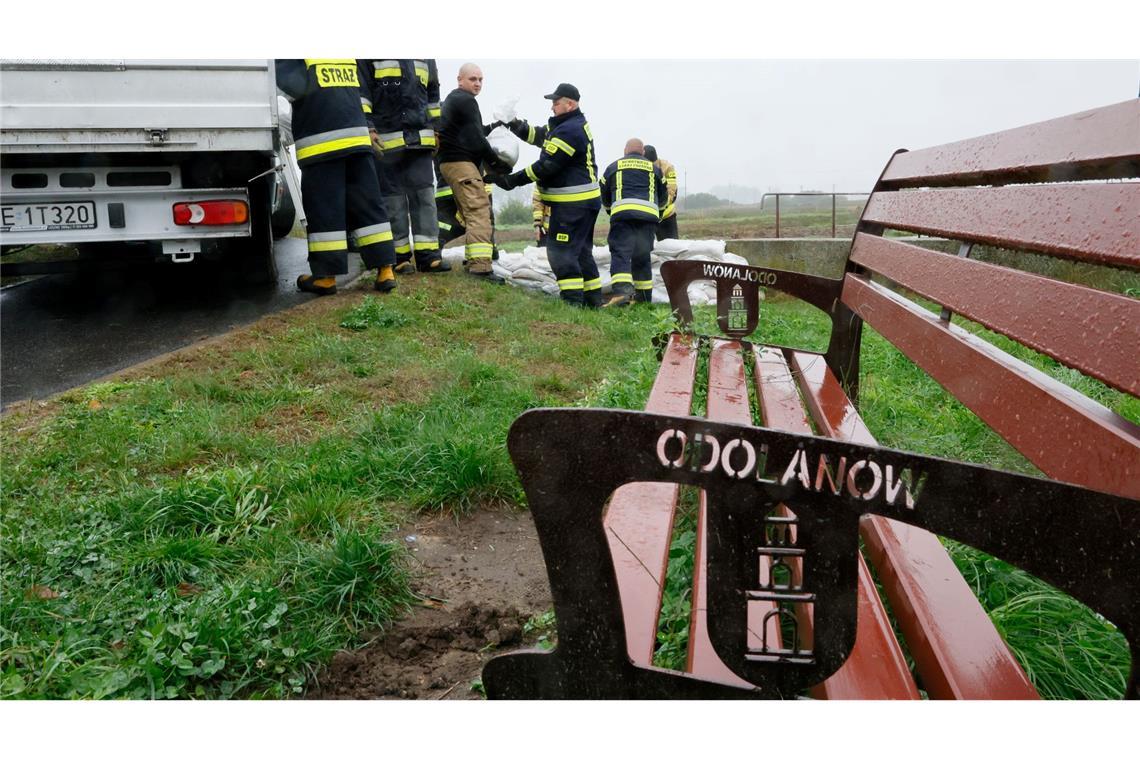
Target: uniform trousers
631,244
667,228
407,181
570,251
341,196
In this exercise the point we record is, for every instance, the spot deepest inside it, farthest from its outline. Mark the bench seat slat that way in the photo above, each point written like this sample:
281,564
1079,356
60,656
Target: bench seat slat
639,519
1089,330
727,402
957,651
1042,418
1103,140
1087,222
876,668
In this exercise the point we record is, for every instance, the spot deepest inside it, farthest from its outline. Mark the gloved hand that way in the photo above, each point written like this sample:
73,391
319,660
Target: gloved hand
502,180
519,127
538,230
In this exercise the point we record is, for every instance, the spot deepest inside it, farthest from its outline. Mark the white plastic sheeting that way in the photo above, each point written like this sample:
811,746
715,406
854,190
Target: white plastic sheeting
531,270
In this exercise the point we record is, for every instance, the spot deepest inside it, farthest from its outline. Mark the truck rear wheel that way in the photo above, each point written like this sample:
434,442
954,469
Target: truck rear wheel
255,254
284,218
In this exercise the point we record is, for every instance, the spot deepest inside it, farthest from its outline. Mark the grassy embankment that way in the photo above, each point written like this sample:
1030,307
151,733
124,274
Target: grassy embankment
219,523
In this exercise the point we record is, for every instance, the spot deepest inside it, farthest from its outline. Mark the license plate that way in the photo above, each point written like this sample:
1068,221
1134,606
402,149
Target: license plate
35,217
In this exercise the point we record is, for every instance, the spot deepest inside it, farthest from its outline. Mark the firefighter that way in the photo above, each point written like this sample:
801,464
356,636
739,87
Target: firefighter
667,228
339,187
633,194
405,117
450,218
463,149
541,214
567,178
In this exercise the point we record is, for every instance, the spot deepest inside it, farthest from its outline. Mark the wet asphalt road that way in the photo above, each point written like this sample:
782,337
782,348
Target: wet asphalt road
60,331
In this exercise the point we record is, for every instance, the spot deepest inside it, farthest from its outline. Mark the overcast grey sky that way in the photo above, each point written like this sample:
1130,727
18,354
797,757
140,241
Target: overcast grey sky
787,124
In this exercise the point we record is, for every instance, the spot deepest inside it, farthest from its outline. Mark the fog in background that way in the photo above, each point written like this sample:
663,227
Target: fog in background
748,127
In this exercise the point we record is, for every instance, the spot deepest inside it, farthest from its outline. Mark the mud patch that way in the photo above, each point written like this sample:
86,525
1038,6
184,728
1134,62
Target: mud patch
481,579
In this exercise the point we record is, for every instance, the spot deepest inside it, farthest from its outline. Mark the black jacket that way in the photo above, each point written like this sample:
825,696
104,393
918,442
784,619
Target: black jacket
328,120
404,103
566,172
462,135
633,189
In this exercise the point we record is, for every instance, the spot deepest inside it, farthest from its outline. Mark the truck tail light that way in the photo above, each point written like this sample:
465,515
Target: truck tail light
211,212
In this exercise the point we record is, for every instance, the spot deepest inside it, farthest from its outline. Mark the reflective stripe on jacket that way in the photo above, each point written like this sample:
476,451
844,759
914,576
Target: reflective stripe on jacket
566,172
633,188
669,172
404,95
328,109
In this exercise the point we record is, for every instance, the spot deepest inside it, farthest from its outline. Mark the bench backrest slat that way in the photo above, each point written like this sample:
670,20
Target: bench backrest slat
1087,222
1090,330
1053,426
1103,142
956,649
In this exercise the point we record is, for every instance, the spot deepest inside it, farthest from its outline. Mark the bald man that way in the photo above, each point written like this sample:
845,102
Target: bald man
463,148
633,194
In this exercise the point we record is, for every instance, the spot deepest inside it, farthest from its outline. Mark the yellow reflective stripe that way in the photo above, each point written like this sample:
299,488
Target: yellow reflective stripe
425,140
393,143
594,284
479,250
530,135
548,198
366,106
434,112
387,72
423,245
489,188
634,204
328,245
558,142
669,210
617,197
445,226
622,277
643,284
405,248
530,173
333,145
444,193
379,237
571,283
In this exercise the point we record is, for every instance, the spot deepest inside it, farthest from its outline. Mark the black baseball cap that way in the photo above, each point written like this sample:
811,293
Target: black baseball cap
564,91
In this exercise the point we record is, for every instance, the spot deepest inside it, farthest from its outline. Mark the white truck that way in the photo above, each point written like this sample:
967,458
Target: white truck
178,158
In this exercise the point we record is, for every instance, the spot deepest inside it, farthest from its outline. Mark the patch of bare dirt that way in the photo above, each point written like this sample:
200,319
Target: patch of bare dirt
481,578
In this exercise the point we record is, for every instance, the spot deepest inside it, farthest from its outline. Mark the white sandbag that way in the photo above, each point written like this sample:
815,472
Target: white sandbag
526,273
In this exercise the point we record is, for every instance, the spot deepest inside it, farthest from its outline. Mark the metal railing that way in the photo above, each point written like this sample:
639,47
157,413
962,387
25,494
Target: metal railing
777,196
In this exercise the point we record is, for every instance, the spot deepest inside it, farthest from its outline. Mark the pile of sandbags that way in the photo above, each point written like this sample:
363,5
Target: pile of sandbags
531,270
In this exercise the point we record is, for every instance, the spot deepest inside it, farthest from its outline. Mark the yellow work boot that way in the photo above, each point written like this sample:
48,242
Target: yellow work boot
322,286
385,280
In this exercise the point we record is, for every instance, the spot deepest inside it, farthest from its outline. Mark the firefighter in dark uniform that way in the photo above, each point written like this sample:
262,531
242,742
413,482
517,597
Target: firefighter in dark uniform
567,178
633,194
339,187
405,114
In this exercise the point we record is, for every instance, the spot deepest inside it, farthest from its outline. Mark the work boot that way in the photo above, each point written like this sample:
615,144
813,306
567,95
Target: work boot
622,295
573,298
322,286
482,269
643,296
593,298
435,265
385,280
405,267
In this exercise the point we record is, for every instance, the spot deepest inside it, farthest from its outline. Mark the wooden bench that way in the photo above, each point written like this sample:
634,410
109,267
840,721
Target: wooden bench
784,601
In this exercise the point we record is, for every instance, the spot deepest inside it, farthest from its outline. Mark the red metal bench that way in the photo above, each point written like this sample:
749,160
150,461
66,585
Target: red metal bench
783,599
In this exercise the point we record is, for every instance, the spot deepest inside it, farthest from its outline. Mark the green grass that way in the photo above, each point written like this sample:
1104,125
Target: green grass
219,524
